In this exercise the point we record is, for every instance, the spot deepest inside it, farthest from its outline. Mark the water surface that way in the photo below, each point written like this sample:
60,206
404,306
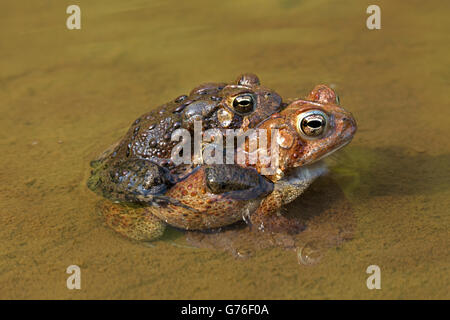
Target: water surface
67,95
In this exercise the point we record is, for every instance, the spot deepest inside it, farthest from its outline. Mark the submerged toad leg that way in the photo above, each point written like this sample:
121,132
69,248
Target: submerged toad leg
133,222
268,217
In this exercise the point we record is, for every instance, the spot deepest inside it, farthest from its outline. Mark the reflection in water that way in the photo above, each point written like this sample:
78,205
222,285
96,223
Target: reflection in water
323,208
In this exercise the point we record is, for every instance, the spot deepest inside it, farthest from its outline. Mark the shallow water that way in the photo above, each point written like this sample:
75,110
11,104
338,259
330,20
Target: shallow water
67,95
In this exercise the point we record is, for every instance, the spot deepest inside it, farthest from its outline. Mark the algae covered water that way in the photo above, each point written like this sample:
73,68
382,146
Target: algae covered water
66,95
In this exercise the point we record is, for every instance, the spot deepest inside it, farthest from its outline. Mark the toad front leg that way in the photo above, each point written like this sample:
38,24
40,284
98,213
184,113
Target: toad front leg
137,184
267,217
132,180
237,183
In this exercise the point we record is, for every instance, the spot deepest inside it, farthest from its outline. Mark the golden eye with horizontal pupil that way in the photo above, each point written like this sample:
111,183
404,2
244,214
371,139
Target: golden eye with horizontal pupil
243,103
312,123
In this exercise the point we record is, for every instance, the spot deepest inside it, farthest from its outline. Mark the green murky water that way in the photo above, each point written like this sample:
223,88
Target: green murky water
67,95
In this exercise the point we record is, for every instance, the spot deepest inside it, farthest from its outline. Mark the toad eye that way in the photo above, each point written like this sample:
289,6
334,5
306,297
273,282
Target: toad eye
244,103
312,123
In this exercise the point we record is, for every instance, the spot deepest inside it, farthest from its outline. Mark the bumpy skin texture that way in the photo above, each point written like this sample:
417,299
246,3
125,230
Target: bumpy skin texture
139,169
296,169
133,222
299,155
295,147
215,196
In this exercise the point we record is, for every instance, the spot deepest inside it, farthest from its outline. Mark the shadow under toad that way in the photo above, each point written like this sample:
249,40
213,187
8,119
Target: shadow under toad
323,208
326,207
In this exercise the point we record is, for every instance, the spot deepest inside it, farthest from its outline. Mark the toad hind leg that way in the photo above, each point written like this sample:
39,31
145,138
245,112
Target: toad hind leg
131,221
